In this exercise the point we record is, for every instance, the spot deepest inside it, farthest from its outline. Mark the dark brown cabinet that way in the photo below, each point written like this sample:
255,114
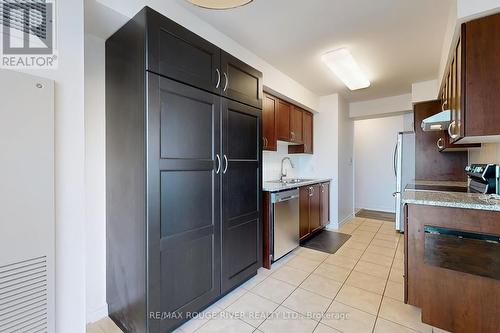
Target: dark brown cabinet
296,124
183,173
283,125
325,203
269,119
471,87
307,136
240,82
310,208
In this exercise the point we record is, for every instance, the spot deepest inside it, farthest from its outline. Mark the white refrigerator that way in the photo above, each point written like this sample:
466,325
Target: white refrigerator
404,171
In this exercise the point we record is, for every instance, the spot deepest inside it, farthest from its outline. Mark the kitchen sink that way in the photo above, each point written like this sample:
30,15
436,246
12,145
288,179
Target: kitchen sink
290,181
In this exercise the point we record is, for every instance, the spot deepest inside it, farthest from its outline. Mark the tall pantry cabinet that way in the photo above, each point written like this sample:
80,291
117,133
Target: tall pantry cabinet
183,169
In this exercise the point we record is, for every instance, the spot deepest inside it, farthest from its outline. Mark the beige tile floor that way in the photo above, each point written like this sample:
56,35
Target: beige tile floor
358,289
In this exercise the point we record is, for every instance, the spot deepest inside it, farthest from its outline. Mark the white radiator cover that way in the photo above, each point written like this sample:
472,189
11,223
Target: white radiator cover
27,221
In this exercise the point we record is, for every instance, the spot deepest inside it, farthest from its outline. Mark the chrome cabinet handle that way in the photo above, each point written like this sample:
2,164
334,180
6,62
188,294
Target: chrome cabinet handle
305,146
226,81
218,78
442,105
225,166
453,125
218,164
440,143
292,133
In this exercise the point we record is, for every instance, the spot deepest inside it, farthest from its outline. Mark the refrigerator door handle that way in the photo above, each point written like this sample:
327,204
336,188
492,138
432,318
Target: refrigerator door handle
395,160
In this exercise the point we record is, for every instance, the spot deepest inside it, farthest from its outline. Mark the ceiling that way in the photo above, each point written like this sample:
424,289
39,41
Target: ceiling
396,42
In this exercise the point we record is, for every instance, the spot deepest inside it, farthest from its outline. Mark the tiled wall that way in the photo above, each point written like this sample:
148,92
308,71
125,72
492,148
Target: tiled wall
271,161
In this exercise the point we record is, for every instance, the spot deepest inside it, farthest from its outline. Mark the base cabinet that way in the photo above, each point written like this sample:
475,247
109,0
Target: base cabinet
314,206
183,177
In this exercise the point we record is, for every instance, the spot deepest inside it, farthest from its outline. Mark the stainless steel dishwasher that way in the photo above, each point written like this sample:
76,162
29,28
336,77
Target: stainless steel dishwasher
285,222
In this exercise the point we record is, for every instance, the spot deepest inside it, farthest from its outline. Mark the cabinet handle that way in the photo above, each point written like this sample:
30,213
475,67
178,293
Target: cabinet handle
442,105
225,166
440,143
450,131
226,81
265,142
305,147
218,78
218,164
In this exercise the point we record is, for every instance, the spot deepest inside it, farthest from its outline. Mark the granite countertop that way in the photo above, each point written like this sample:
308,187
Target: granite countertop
440,183
451,199
275,186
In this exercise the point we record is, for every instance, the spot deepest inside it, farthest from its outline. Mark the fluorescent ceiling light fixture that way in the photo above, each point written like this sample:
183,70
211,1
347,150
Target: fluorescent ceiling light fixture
345,67
219,4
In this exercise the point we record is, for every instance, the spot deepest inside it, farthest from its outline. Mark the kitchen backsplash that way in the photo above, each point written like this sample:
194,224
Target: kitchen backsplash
489,153
271,163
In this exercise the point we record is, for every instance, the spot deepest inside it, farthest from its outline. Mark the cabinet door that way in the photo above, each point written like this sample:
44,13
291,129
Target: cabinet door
304,193
296,125
325,204
308,132
242,189
177,53
315,208
283,125
269,115
458,92
183,194
240,82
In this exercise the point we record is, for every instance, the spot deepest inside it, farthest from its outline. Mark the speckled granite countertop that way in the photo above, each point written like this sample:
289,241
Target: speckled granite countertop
451,199
275,186
440,183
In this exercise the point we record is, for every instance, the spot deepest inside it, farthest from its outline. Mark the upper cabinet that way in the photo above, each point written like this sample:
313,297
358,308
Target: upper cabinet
240,82
471,87
176,53
269,119
284,121
283,127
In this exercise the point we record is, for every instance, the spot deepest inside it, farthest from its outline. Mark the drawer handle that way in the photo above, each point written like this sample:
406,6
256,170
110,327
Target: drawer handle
225,167
218,164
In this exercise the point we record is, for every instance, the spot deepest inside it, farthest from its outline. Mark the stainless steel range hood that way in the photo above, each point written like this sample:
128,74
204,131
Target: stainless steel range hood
437,122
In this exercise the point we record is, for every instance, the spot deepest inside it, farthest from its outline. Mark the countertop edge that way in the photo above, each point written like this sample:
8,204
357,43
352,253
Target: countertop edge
296,185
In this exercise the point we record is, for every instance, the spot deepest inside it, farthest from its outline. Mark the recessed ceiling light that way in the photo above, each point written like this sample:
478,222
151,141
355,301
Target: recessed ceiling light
345,67
219,4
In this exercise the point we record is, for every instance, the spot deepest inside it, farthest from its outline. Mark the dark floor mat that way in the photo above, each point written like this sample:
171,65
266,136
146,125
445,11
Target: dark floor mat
326,241
376,215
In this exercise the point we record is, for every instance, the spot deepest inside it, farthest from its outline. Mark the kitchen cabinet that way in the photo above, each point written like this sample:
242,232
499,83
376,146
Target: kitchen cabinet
283,125
310,210
471,87
286,122
450,259
325,203
240,82
430,164
269,119
183,173
296,124
241,197
307,134
179,54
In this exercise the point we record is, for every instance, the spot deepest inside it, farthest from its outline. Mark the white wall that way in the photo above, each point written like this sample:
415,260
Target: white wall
69,166
374,142
489,153
95,189
346,163
271,163
381,106
424,91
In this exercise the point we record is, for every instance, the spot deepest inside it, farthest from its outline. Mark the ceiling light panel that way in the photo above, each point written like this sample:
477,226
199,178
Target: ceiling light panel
219,4
346,69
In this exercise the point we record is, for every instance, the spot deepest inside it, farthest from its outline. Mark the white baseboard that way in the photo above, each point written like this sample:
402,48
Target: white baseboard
97,314
336,225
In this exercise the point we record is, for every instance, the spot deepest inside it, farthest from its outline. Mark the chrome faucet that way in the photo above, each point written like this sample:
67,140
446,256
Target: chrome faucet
283,173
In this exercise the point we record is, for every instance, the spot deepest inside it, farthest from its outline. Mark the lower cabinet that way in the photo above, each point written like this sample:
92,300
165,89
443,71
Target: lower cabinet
314,208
